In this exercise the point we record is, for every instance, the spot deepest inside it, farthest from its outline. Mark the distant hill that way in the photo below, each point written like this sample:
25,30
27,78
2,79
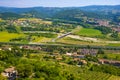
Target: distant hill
47,11
52,10
10,15
78,14
104,8
74,13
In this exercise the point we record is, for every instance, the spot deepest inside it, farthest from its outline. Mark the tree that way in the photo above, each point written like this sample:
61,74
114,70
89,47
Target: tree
2,78
24,70
114,34
104,30
100,51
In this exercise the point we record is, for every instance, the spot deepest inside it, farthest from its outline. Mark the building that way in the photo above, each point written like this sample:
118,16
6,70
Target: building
31,47
103,23
116,29
69,54
111,62
88,52
10,73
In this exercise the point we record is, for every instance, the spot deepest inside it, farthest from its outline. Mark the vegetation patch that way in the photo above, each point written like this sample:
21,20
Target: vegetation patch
88,32
68,40
6,37
114,44
110,56
40,39
48,35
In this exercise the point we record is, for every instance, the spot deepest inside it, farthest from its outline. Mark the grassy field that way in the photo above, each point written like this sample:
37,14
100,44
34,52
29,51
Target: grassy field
36,20
40,39
91,75
87,32
67,40
110,56
6,37
114,78
114,44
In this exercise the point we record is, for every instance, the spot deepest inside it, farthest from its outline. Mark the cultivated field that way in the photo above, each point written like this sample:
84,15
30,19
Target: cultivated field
6,37
110,56
87,32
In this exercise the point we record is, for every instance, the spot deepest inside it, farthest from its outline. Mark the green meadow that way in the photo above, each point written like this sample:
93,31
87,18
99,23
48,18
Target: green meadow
41,39
114,44
89,32
6,37
110,56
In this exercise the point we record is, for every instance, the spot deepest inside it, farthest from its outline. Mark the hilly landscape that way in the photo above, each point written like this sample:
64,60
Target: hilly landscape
51,11
60,43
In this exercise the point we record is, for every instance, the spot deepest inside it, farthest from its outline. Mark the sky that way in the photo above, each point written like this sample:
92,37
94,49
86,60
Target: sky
56,3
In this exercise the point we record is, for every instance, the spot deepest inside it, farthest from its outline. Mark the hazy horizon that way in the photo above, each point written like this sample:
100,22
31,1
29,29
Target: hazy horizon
56,3
55,7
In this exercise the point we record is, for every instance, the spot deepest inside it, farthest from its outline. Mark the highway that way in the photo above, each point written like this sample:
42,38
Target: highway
62,45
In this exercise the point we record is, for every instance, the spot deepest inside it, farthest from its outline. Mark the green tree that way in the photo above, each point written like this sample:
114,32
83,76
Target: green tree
24,70
100,51
114,34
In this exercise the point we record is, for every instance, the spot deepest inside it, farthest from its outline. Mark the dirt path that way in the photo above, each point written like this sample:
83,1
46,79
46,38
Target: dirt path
91,39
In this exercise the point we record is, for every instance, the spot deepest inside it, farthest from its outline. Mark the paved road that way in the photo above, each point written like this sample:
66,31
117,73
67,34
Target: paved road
61,45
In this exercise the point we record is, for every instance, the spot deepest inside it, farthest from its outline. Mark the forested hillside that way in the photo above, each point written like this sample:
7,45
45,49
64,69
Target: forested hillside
102,12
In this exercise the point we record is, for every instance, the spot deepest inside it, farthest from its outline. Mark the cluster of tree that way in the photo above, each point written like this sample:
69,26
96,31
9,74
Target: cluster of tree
116,17
2,28
39,29
71,15
7,26
103,29
85,25
91,58
2,25
48,35
106,69
101,12
115,35
78,15
18,39
43,70
10,15
100,51
33,69
45,27
11,29
42,66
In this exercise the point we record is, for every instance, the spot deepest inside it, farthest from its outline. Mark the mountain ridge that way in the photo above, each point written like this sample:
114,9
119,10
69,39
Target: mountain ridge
96,11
